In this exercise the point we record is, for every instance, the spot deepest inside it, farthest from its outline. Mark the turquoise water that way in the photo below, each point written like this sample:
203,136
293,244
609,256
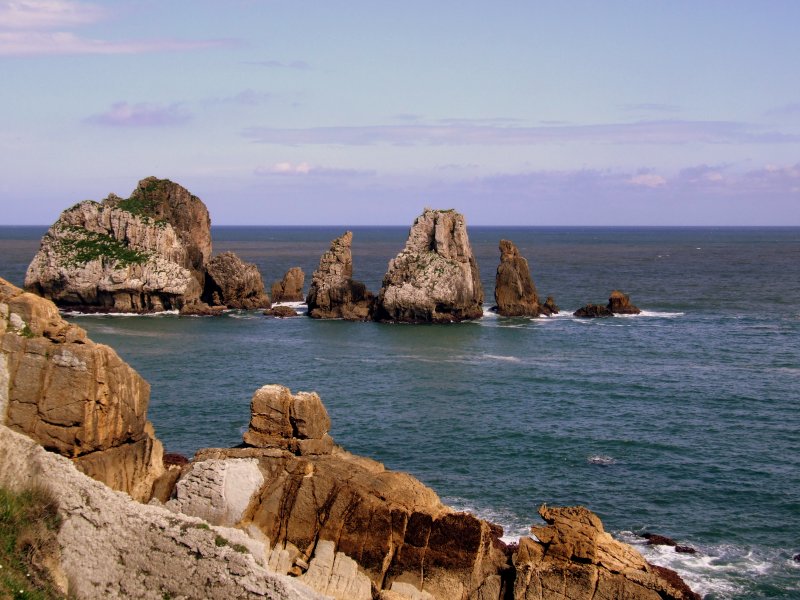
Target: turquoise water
681,421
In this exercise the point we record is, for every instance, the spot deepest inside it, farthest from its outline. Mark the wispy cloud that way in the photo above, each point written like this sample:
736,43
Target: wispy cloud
248,97
299,65
305,169
123,114
650,180
47,14
43,28
462,134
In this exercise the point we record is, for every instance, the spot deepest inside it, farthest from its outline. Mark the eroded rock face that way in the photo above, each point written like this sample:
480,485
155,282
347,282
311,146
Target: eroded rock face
574,558
435,278
290,288
619,303
144,253
234,283
73,396
334,294
514,290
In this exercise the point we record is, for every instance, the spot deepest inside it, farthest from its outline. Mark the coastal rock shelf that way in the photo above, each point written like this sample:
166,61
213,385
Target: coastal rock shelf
288,501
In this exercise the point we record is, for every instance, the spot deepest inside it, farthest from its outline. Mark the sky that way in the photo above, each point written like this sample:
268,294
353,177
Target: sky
361,112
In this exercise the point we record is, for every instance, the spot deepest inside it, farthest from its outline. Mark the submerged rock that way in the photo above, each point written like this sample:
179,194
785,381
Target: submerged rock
514,290
435,278
233,283
593,311
144,253
334,294
73,396
290,288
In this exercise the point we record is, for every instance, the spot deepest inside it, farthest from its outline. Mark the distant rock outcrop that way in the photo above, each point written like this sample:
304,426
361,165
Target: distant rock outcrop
281,312
618,303
233,283
550,307
146,253
573,557
334,294
435,278
290,288
514,290
73,396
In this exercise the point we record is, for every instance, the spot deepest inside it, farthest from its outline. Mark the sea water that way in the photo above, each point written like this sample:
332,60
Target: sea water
683,420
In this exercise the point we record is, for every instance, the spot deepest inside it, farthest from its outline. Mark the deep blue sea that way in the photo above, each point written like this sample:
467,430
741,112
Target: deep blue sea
682,421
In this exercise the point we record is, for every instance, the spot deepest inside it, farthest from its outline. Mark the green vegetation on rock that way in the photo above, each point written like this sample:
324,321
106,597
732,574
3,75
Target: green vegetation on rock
29,522
81,246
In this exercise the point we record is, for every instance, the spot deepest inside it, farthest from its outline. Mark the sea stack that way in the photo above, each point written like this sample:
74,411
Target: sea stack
435,278
334,294
290,288
514,290
146,253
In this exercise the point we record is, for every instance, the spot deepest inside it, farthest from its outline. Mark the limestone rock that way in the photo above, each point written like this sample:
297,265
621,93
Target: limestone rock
144,253
73,396
298,423
435,277
619,303
334,294
233,283
574,558
593,311
281,312
290,288
514,290
550,307
113,547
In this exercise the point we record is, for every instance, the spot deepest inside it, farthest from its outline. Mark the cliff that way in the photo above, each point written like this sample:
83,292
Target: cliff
435,277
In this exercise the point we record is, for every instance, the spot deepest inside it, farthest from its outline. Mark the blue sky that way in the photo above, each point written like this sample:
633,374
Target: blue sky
364,112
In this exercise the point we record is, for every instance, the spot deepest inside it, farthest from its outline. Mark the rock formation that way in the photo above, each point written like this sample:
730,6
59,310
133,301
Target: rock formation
550,307
514,290
281,312
146,253
290,288
574,558
435,277
233,283
334,294
618,303
73,396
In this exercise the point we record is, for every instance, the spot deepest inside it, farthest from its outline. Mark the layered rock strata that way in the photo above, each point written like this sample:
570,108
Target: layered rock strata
290,288
435,278
233,283
334,294
514,290
73,396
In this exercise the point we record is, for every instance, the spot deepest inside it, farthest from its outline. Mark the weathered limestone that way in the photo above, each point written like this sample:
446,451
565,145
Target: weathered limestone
290,288
435,277
113,547
514,290
233,283
573,558
334,294
73,396
145,253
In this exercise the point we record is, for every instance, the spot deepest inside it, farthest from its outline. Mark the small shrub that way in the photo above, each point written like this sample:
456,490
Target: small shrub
220,541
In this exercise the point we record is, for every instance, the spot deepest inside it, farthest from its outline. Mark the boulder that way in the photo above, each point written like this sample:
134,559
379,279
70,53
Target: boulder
281,312
550,307
435,278
233,283
140,254
593,311
290,288
574,558
334,294
73,396
619,303
514,290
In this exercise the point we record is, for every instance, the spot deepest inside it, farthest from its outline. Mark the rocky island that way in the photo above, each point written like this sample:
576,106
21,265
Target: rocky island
146,253
287,515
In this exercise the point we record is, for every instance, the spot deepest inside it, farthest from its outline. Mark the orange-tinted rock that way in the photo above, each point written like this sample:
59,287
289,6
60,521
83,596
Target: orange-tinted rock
290,288
334,294
233,283
514,290
619,303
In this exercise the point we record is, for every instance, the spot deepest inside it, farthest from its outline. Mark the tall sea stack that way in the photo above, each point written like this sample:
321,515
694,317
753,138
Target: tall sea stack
435,278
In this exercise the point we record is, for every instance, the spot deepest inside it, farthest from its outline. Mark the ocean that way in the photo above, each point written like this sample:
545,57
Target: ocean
682,421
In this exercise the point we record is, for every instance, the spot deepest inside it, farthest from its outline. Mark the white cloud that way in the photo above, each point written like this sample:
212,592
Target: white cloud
650,180
285,168
143,114
37,43
47,14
